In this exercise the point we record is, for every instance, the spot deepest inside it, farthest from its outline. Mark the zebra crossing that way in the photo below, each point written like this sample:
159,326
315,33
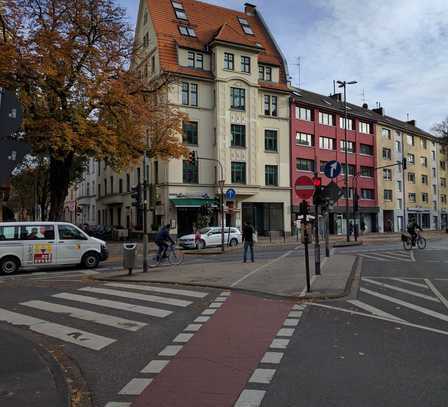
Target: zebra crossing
389,256
140,306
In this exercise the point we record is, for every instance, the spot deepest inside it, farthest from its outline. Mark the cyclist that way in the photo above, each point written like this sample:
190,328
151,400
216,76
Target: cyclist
162,238
413,229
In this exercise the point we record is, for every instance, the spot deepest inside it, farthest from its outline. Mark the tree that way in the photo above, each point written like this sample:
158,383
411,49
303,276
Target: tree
441,129
69,62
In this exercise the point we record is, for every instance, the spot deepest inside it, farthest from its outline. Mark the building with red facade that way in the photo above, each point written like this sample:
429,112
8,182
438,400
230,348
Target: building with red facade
318,136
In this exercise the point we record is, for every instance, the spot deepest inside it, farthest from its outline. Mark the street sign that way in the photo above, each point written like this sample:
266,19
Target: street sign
332,191
304,187
230,194
332,169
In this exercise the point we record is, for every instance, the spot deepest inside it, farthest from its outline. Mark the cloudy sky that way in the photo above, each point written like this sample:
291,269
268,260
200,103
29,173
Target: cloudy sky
397,50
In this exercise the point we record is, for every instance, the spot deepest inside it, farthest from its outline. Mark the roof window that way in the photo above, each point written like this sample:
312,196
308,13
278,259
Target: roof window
187,31
245,26
179,10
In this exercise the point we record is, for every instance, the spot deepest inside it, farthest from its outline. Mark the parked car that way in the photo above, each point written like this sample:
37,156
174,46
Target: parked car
211,237
43,244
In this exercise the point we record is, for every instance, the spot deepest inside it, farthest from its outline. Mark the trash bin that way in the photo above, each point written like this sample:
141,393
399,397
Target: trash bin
129,255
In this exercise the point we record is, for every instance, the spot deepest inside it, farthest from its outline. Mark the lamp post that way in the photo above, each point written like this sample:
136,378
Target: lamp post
343,84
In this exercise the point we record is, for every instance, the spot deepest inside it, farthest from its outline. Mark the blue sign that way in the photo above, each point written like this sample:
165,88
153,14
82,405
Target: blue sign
332,169
230,194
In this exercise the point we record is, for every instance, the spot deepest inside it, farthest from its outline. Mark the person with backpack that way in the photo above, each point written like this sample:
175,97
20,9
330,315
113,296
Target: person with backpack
248,239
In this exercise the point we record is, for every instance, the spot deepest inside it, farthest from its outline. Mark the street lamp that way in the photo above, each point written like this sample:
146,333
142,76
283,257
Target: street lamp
343,84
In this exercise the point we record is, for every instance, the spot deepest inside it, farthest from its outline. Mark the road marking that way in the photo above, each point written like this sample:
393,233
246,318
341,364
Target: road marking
399,254
401,280
262,376
215,305
85,315
412,256
135,387
279,344
175,291
260,268
155,366
439,295
424,328
272,357
171,350
193,327
414,307
291,322
62,332
392,257
201,319
286,332
139,309
182,338
209,311
295,314
250,398
403,290
137,296
368,256
117,404
373,310
220,299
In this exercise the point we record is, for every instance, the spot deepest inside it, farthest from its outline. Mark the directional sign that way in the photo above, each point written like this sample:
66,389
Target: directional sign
230,194
332,191
304,187
332,169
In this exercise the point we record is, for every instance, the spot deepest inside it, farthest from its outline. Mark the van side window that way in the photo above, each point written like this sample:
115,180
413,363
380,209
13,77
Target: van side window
37,232
68,232
8,233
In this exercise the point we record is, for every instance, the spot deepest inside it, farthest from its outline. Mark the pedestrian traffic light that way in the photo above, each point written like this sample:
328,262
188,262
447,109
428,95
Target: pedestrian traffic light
404,163
137,195
192,157
318,196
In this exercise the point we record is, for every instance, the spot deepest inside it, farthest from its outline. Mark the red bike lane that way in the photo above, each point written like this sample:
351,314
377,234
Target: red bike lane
213,368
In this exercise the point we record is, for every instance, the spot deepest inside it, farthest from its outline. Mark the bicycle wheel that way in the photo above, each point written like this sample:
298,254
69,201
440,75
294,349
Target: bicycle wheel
407,244
421,243
175,257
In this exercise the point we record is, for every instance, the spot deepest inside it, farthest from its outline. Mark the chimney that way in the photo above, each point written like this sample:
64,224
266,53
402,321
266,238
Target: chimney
379,110
249,9
365,106
411,122
337,96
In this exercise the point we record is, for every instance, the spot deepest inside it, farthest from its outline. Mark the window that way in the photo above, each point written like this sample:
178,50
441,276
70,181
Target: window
99,190
270,140
327,143
31,232
386,133
270,105
105,186
128,183
238,172
153,64
387,154
350,193
195,60
425,197
367,194
349,145
190,172
189,94
145,18
265,73
69,232
443,182
351,169
185,93
399,186
238,98
425,179
424,144
190,133
388,195
424,161
410,140
238,135
326,119
412,197
245,26
229,63
400,204
146,40
111,185
442,165
303,114
434,189
364,127
349,123
411,177
304,139
187,31
9,232
398,147
411,158
443,198
245,64
322,165
433,172
433,155
120,186
271,175
387,174
194,94
366,149
367,171
302,164
179,10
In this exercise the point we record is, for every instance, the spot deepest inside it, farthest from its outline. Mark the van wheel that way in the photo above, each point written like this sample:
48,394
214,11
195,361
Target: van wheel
90,260
233,243
9,265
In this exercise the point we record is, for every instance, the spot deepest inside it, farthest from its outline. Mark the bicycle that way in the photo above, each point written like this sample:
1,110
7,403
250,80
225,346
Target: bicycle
420,241
171,257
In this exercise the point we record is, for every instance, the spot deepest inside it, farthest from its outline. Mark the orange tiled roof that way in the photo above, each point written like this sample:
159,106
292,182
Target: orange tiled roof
210,23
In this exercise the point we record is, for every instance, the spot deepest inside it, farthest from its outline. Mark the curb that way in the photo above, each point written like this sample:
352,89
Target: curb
348,244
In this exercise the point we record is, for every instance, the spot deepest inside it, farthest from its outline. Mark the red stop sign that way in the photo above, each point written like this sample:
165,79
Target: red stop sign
304,187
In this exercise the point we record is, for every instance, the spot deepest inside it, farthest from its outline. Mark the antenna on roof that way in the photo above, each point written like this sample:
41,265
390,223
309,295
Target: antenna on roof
334,87
407,116
363,94
299,64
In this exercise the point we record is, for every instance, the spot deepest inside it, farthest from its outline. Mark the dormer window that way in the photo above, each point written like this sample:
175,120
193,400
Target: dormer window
245,26
179,10
145,18
265,73
187,31
195,60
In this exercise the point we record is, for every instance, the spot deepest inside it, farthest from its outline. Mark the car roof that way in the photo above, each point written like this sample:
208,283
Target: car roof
33,223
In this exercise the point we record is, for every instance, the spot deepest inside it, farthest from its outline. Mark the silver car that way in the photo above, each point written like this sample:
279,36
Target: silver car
211,237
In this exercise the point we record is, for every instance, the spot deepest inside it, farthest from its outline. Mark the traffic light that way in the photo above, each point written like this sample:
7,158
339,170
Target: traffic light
317,197
192,157
404,163
137,196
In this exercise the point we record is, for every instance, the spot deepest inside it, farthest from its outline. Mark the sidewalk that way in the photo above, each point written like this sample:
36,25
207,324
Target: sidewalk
28,375
283,276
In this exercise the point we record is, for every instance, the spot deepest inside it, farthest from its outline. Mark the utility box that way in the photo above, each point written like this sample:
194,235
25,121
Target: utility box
129,256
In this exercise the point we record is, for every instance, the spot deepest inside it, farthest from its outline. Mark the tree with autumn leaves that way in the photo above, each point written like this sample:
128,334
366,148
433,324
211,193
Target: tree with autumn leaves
69,64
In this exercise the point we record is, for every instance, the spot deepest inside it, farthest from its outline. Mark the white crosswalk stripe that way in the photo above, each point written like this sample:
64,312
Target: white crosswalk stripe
75,306
399,256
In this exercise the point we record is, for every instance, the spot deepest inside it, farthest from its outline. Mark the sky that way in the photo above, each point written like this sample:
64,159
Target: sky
397,50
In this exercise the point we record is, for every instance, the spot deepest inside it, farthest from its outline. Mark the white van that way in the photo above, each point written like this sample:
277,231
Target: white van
41,244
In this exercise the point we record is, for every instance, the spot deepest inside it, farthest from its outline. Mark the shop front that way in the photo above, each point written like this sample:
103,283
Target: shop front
264,217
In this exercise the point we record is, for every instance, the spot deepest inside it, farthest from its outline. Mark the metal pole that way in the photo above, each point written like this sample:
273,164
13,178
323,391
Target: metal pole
145,214
222,214
316,242
307,255
355,198
346,164
403,228
327,234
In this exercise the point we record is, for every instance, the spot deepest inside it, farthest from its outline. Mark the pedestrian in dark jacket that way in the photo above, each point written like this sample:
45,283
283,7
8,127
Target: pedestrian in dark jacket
248,239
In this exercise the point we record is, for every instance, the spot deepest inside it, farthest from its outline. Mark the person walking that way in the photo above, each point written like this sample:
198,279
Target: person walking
248,239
